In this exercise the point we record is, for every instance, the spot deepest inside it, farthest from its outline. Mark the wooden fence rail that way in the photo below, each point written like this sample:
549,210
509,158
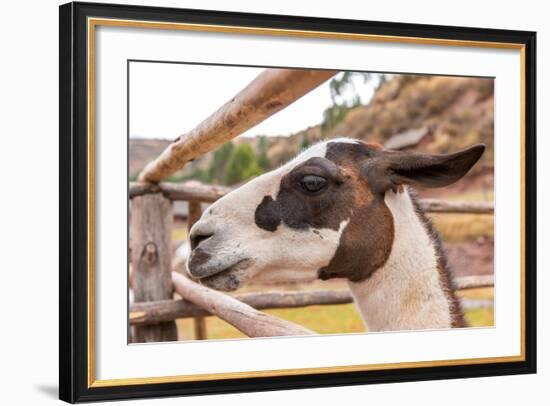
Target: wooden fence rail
446,206
165,310
270,92
180,191
211,193
245,318
168,310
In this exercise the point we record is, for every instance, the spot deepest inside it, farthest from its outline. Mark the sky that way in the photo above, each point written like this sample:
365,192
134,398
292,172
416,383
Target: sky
167,100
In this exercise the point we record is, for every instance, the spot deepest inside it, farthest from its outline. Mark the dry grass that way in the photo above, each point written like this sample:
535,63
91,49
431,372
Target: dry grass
479,293
482,317
459,227
463,227
323,319
473,196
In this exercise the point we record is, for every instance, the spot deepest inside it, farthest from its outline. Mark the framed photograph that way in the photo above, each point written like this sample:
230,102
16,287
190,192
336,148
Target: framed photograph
258,202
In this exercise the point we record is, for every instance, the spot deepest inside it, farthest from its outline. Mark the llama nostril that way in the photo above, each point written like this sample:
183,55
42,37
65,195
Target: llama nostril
197,238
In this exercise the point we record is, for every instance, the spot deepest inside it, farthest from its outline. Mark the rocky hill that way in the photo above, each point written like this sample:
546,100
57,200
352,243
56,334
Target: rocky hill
449,112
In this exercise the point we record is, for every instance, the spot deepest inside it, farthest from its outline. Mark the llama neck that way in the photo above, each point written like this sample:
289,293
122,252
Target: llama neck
410,291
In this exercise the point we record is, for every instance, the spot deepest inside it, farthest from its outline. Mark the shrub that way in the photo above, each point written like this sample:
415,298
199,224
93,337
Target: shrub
241,165
263,161
217,170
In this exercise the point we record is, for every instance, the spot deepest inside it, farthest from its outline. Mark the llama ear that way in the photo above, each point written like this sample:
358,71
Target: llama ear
393,168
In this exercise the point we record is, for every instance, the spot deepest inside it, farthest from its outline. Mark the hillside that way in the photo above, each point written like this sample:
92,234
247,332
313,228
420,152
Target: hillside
141,151
144,150
457,112
453,112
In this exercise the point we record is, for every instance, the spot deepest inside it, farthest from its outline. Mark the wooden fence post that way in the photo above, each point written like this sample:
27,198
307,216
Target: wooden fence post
151,255
195,212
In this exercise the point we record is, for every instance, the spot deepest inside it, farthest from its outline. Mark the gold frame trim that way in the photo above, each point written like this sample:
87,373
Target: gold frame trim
93,22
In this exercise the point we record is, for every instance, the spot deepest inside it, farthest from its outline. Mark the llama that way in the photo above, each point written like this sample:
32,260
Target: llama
341,209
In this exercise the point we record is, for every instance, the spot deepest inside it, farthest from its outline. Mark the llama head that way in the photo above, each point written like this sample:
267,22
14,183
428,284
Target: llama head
321,215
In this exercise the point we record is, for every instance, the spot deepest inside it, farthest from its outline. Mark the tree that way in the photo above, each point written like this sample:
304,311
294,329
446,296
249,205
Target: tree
242,165
263,161
342,88
217,169
345,97
304,144
337,112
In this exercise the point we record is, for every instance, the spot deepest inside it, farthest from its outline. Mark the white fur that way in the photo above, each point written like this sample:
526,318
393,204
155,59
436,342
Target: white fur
405,293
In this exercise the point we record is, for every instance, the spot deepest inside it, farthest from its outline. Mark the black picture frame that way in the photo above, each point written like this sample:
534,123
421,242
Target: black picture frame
73,198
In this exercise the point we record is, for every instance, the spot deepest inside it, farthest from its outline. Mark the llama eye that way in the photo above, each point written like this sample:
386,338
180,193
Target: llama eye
313,183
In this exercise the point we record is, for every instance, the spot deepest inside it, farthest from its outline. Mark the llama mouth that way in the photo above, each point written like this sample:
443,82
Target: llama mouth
228,279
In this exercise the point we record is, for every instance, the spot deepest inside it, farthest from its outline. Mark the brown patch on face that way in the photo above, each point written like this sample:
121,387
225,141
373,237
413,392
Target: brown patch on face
366,242
268,215
300,209
445,278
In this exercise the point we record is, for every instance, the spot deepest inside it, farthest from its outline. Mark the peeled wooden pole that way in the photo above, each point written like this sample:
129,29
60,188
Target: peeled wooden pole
186,191
270,92
242,316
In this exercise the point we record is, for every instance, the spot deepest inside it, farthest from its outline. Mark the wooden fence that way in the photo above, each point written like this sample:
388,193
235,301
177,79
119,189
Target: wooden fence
154,311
